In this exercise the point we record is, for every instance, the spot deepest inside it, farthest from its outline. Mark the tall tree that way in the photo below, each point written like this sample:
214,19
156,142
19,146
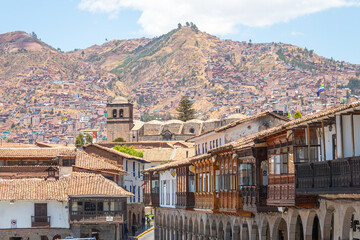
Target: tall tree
89,138
80,140
185,109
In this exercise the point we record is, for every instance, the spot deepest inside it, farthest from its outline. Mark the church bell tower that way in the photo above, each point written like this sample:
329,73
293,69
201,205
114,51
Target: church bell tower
119,119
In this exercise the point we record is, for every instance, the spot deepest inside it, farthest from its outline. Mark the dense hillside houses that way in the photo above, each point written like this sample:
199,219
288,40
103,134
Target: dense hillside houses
296,180
51,96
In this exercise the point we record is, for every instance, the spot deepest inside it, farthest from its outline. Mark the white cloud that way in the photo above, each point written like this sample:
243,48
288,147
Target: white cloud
213,16
296,34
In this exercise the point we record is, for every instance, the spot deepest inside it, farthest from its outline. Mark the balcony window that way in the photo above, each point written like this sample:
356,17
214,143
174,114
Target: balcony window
278,164
155,186
245,174
191,182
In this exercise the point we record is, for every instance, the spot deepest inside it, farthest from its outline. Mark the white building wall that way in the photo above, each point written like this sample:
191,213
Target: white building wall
347,138
328,142
167,189
134,180
22,211
338,137
357,134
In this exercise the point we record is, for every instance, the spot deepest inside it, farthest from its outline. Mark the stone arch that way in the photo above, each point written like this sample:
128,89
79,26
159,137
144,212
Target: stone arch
202,228
228,231
313,230
236,230
348,217
255,231
196,226
265,230
245,231
280,229
328,230
207,229
296,228
220,231
213,229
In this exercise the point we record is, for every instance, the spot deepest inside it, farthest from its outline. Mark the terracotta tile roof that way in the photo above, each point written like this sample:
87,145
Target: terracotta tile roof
241,121
79,184
167,154
36,152
94,184
169,165
87,161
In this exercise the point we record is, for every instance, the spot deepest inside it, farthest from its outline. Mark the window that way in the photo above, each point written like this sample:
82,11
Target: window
121,113
134,169
131,192
203,148
126,165
206,147
220,142
138,194
192,130
40,209
245,174
114,113
139,170
217,143
134,192
210,145
278,164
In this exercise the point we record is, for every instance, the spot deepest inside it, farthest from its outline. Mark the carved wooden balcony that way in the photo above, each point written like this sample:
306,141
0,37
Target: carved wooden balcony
185,199
151,199
96,216
254,199
335,176
206,200
230,201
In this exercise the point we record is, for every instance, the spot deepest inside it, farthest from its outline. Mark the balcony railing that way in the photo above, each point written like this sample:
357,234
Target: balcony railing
40,221
96,216
151,199
206,200
340,176
185,199
254,199
281,190
230,201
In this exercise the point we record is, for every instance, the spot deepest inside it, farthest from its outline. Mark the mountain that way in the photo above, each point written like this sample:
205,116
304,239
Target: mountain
222,76
43,88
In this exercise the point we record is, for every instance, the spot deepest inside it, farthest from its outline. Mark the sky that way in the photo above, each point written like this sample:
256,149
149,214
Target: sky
329,27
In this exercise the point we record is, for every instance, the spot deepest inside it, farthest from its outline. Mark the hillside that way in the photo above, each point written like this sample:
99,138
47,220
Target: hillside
45,92
220,75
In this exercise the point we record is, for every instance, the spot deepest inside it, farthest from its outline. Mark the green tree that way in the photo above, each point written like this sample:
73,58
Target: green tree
297,115
129,150
185,109
119,139
89,138
187,24
179,25
80,140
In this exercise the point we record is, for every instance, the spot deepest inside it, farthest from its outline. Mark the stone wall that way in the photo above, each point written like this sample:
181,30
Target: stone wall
331,220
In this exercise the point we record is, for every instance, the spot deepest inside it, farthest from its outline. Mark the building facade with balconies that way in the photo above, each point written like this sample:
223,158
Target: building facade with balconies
298,180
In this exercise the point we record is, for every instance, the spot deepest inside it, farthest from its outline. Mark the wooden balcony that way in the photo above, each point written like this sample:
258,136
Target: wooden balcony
40,221
96,217
254,199
206,200
151,199
335,176
230,201
185,199
281,190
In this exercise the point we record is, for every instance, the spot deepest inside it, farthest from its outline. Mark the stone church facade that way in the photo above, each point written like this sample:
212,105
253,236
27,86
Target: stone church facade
120,123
